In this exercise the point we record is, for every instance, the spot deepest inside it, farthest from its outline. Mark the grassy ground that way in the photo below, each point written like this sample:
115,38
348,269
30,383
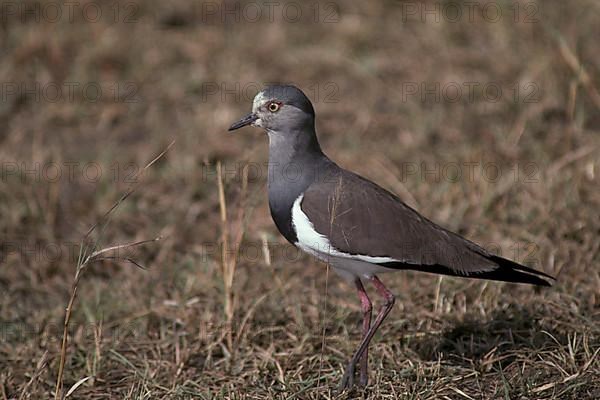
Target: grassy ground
517,171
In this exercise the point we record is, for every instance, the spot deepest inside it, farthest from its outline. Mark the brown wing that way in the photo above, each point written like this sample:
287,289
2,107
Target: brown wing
362,218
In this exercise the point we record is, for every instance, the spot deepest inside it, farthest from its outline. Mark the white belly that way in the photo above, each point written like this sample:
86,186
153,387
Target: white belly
349,266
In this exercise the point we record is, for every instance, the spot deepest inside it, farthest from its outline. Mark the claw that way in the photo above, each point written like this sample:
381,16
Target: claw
348,378
364,379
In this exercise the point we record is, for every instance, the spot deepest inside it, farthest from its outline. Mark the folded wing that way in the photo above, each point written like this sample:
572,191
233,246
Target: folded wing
360,218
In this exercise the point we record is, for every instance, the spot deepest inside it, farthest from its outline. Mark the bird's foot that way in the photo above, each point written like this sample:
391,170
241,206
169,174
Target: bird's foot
348,378
364,378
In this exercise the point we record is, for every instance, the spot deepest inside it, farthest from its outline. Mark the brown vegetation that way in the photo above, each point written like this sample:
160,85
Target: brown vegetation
181,329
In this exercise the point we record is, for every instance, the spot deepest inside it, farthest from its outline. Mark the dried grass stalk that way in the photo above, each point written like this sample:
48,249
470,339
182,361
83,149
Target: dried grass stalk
89,255
229,258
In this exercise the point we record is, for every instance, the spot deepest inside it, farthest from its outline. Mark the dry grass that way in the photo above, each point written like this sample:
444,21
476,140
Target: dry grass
168,333
90,252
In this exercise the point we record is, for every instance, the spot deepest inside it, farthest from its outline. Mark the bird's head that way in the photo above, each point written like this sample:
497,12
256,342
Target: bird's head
279,109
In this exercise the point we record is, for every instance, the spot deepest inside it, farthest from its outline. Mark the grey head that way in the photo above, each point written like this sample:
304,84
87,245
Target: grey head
295,157
278,109
289,119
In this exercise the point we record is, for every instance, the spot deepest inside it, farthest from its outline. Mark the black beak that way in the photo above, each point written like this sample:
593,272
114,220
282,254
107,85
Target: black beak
246,120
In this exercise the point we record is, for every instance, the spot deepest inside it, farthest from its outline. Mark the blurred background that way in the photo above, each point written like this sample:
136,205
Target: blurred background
484,116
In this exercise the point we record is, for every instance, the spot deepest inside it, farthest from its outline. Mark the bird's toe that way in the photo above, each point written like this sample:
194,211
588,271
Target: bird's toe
364,379
348,378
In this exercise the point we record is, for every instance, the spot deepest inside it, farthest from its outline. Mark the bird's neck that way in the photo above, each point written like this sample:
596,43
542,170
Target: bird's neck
295,162
293,150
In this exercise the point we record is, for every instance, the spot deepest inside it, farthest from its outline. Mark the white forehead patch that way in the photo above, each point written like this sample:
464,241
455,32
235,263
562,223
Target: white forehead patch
258,100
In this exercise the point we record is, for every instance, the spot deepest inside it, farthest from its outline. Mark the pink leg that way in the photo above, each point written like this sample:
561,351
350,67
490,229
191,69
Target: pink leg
366,309
348,378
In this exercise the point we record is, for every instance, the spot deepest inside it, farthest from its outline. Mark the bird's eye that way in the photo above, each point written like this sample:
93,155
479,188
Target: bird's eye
274,107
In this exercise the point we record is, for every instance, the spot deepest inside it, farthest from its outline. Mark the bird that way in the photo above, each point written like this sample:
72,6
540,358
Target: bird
354,225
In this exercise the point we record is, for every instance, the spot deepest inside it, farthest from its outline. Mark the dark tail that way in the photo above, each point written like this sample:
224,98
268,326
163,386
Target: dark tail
511,271
507,271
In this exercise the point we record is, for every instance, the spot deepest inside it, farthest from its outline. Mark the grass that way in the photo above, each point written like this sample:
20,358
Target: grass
89,253
188,326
